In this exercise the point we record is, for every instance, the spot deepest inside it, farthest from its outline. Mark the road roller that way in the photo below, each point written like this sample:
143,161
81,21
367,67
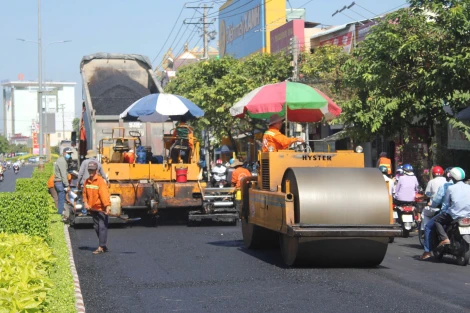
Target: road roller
320,208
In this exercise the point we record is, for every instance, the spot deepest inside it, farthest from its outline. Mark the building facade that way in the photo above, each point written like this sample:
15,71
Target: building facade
19,114
245,26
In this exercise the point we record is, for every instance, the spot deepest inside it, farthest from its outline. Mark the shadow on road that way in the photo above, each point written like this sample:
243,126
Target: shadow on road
412,245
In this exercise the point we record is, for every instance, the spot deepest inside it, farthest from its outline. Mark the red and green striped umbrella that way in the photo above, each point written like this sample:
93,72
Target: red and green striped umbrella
304,103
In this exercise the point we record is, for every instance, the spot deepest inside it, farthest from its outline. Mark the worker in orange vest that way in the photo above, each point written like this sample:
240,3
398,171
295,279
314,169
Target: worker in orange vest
273,138
384,161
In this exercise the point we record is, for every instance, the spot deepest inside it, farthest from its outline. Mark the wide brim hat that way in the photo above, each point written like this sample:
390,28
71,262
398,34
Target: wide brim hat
90,154
236,163
275,118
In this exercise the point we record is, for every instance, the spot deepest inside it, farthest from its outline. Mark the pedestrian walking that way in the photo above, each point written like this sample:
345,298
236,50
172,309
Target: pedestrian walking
61,183
97,201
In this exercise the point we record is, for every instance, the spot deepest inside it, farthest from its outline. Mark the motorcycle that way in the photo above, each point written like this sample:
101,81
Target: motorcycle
16,169
459,235
1,176
405,215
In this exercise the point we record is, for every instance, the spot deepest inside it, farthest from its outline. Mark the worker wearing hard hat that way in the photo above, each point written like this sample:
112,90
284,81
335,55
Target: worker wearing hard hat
273,140
239,173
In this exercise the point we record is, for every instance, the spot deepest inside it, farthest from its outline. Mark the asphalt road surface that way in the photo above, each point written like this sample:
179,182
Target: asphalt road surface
207,269
9,182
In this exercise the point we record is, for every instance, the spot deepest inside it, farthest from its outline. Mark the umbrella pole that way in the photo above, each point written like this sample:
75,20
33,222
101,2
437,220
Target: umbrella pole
287,123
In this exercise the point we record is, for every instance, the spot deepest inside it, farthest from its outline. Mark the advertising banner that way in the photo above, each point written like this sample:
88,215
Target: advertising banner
341,40
241,28
280,37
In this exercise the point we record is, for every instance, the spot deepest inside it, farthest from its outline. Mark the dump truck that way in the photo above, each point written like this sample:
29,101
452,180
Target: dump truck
111,83
321,208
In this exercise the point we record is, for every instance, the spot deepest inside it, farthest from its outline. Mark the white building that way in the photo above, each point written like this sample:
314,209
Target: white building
20,110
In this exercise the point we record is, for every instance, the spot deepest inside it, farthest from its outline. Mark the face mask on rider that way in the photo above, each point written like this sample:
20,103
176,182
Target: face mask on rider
67,156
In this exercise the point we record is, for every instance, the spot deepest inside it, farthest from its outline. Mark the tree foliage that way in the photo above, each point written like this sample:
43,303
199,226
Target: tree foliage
4,145
323,69
76,125
216,84
412,63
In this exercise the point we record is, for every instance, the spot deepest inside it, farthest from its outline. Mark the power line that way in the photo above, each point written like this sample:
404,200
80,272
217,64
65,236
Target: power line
169,35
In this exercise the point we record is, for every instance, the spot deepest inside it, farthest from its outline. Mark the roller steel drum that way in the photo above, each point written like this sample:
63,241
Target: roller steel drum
337,196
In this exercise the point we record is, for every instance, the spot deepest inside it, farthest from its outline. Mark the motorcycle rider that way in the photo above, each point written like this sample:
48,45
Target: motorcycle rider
219,173
389,181
435,202
407,186
384,161
458,199
437,181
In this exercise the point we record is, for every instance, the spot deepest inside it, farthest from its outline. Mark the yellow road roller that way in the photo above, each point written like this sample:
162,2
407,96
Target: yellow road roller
321,208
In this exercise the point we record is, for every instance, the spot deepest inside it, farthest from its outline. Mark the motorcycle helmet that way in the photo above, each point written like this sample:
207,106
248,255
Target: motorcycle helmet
408,168
218,162
383,169
457,173
399,170
437,171
447,172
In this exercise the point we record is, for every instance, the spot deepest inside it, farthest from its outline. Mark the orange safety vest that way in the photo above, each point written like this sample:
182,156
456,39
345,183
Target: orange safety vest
387,163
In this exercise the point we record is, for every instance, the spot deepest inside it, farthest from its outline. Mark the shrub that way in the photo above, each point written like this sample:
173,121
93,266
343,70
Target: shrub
62,296
31,185
25,212
25,263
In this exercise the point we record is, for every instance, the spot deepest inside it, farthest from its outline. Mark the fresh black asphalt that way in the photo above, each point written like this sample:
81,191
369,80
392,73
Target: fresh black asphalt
174,268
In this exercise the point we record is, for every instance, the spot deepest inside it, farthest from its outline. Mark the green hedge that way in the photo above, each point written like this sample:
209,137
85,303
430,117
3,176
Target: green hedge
31,185
62,297
25,212
25,263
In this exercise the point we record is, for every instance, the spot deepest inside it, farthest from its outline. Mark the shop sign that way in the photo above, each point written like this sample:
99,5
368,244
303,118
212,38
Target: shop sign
241,30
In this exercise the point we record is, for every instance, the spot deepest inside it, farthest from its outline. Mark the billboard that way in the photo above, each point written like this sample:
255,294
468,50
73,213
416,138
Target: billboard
241,28
280,37
343,38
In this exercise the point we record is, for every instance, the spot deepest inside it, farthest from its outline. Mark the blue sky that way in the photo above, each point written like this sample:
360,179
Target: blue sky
120,26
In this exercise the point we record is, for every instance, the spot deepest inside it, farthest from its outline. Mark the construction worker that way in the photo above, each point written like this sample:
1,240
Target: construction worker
384,161
61,182
90,156
273,140
239,173
97,201
182,132
52,191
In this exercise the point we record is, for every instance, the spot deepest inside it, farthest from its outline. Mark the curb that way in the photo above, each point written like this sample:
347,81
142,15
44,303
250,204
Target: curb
79,304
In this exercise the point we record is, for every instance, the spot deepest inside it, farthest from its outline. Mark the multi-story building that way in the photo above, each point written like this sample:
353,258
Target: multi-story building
19,113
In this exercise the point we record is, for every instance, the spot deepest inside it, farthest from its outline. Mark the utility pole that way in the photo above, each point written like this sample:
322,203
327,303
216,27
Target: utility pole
41,120
204,24
294,47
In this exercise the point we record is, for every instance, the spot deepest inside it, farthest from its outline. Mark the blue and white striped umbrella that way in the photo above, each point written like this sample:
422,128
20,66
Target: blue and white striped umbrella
158,107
